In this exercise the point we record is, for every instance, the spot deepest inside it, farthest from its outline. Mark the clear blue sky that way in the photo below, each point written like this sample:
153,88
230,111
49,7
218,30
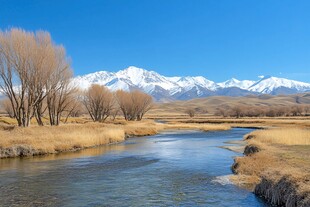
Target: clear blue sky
215,38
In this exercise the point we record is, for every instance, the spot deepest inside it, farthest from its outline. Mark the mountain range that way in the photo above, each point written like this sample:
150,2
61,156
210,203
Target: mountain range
183,88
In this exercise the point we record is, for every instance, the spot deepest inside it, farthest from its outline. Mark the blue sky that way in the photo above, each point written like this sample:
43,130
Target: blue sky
217,39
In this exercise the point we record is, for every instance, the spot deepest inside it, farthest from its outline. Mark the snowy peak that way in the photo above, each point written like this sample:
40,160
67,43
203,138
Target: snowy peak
191,82
245,84
230,83
162,87
268,84
136,75
145,79
100,77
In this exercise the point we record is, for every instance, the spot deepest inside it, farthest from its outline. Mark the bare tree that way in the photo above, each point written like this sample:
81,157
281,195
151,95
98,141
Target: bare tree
143,102
28,64
18,51
297,110
98,101
133,104
114,113
7,107
280,111
74,108
123,99
221,112
237,111
59,99
307,109
271,112
190,112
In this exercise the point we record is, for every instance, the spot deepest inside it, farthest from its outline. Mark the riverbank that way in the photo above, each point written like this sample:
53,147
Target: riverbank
276,166
249,122
35,140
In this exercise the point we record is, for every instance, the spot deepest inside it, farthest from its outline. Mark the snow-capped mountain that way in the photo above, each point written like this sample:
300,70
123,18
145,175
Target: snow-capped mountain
189,82
161,87
150,82
245,84
269,84
127,79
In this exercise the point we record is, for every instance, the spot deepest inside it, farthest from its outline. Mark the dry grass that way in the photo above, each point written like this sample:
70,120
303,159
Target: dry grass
287,136
72,120
149,127
255,164
144,128
7,127
195,126
283,163
7,120
281,148
76,120
270,175
62,138
262,122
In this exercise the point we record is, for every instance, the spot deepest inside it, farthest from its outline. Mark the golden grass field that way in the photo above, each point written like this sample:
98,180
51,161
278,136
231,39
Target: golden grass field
283,136
62,138
289,147
283,162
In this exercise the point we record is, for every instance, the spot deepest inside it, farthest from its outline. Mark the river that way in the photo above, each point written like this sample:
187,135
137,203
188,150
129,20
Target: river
180,168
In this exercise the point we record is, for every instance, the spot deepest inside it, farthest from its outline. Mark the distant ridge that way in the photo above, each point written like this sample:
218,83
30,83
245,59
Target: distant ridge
184,88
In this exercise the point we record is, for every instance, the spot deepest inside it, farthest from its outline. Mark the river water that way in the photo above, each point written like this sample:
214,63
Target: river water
183,168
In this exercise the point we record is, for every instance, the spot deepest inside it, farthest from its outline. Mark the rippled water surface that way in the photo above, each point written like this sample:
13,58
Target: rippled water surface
171,169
